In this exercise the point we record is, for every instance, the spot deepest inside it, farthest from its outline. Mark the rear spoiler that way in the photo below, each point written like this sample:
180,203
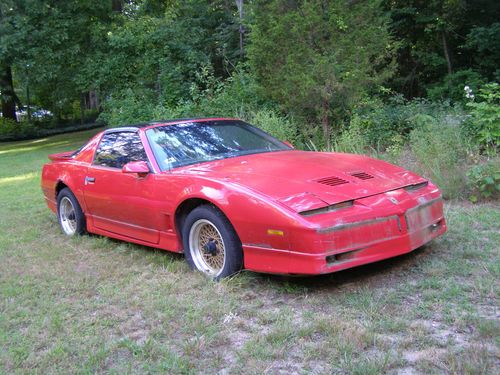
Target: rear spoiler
61,156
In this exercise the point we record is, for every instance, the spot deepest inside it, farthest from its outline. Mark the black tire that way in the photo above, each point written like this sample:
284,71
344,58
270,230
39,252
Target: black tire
205,218
71,223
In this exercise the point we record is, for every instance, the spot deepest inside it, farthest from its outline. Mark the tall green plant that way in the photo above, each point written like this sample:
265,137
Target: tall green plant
317,59
441,151
485,112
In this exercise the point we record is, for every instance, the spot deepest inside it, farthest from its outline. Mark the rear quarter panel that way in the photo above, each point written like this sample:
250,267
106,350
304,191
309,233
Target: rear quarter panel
70,173
48,183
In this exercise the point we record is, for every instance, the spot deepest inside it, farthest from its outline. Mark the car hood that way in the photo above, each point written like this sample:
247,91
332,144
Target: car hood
306,180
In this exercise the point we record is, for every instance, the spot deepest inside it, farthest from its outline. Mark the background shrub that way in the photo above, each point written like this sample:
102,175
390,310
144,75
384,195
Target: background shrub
441,153
7,127
10,129
235,97
484,180
353,139
278,126
389,125
128,107
452,86
485,117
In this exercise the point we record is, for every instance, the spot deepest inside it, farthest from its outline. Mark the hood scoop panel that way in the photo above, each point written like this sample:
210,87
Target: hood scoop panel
335,181
332,181
361,175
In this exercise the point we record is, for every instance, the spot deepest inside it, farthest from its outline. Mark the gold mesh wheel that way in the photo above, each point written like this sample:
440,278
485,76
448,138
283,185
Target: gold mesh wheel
207,247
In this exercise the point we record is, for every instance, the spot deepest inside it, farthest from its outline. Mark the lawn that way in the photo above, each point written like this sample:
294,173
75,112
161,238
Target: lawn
92,304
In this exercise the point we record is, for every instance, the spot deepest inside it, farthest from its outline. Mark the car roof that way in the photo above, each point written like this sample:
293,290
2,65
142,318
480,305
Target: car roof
153,124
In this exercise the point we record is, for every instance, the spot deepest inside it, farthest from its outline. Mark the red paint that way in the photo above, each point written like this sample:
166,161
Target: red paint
260,192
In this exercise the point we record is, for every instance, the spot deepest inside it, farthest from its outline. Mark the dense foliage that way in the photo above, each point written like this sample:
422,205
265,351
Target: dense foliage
412,81
317,59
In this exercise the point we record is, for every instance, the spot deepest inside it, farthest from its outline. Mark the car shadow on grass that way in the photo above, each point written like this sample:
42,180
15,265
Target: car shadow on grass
382,273
158,256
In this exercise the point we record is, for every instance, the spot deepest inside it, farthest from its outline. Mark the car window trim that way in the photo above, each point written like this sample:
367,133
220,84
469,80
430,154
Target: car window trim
121,130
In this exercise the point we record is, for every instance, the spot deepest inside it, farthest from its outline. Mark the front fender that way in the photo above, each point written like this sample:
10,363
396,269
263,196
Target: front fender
256,219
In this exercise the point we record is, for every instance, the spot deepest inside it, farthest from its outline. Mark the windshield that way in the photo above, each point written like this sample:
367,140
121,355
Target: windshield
196,142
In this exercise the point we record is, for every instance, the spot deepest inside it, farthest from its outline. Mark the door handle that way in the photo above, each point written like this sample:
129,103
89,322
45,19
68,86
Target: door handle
89,180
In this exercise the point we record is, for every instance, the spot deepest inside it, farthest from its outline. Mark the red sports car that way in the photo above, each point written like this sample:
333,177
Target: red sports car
230,196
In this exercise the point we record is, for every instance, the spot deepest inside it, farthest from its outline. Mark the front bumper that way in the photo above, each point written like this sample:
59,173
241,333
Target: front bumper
345,246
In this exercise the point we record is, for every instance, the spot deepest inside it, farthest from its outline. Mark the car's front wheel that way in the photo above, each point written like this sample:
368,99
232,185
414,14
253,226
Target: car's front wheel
210,243
69,213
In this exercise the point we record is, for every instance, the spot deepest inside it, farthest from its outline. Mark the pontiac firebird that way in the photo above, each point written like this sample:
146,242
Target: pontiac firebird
229,196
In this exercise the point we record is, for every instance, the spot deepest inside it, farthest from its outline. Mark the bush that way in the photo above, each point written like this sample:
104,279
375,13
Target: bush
353,139
236,97
128,107
278,126
7,127
485,117
441,152
484,180
452,86
389,126
10,129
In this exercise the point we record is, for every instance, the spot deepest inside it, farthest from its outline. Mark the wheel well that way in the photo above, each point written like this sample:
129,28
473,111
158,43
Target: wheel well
184,209
59,186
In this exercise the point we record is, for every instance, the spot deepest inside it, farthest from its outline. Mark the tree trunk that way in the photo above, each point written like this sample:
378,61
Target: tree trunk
239,4
82,108
28,100
9,97
117,5
446,52
325,124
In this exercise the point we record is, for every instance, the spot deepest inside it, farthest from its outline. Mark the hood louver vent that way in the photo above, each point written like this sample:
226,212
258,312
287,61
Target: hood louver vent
332,181
362,175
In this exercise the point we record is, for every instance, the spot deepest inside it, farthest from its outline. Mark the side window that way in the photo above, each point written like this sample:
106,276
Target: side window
117,149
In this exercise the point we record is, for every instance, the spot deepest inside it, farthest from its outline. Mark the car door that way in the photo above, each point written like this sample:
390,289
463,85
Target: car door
121,203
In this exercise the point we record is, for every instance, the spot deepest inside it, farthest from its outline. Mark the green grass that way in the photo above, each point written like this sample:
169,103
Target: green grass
92,304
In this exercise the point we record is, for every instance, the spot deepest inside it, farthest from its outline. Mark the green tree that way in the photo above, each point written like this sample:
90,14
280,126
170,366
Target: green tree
8,97
482,43
437,42
158,52
317,58
48,43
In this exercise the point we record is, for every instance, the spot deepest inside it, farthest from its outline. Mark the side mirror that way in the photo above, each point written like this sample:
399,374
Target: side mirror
288,144
139,167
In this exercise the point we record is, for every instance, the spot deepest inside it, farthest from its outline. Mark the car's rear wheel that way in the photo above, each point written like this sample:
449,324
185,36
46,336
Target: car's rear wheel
69,213
210,243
